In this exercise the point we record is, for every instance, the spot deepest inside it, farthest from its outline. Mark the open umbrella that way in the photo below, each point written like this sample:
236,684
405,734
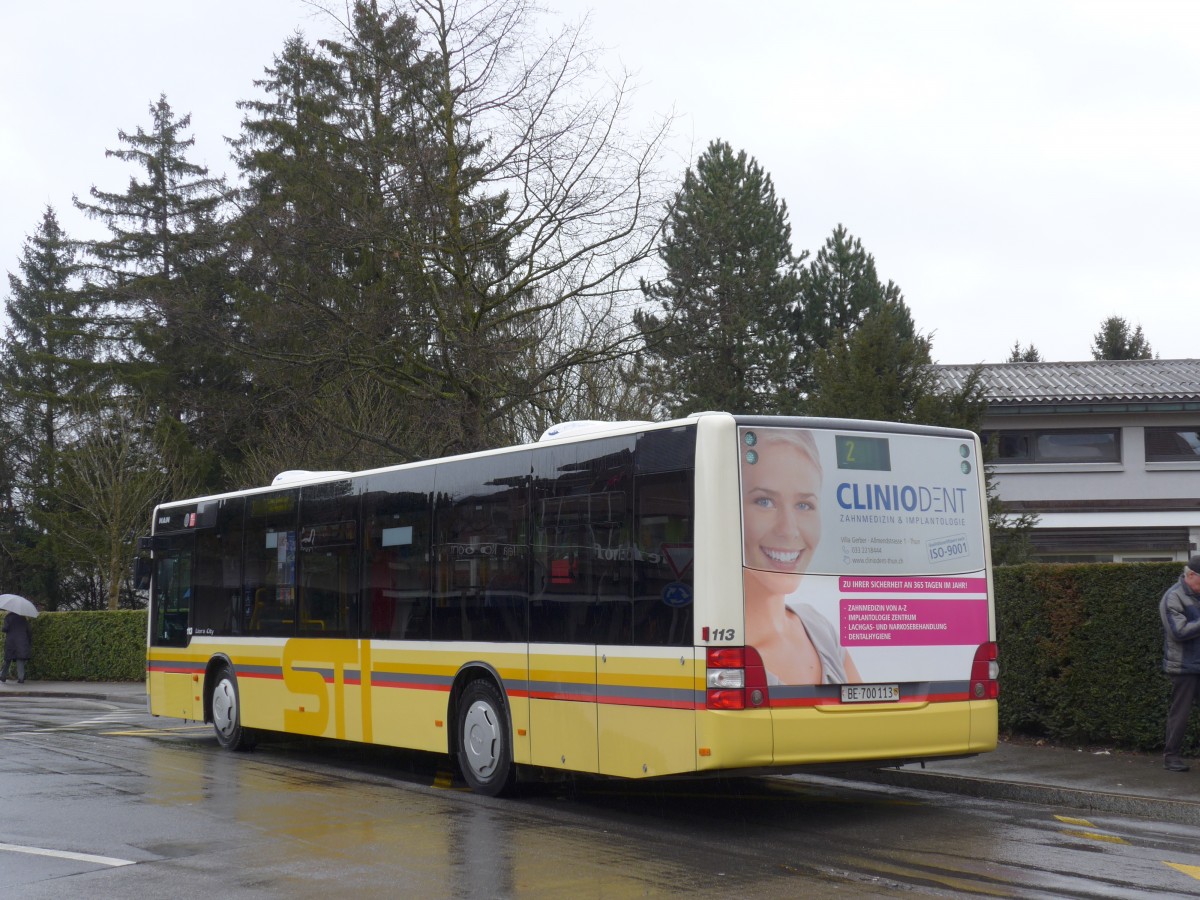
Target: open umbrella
19,605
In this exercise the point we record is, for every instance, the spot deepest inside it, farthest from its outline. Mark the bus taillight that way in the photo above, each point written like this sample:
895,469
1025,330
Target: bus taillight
985,673
736,678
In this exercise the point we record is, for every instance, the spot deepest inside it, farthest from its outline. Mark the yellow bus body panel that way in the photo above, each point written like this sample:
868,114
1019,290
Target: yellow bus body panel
636,742
562,709
409,695
985,725
562,735
733,739
646,711
176,694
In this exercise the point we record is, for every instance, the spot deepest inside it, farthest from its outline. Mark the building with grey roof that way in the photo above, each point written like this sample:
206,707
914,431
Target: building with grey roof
1106,453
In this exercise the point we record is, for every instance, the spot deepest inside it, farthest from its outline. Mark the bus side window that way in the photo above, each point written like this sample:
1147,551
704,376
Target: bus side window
582,558
328,581
396,574
663,606
269,589
397,548
481,582
327,596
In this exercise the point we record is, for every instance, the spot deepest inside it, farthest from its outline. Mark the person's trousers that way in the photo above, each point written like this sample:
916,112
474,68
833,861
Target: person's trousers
1184,689
20,669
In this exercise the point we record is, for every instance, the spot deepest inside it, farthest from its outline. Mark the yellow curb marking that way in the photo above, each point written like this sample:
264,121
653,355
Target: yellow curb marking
1089,835
1069,821
1094,836
1194,871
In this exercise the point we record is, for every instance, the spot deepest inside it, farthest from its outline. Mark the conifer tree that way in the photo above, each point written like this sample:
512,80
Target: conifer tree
1023,354
47,367
1116,340
330,297
838,288
880,370
161,278
14,531
730,278
868,358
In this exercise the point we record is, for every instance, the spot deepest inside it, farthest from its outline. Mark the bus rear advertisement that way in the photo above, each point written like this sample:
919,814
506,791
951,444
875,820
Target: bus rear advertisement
717,593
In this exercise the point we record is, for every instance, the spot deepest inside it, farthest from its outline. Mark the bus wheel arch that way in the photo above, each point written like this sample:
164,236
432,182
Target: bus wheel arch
481,739
223,706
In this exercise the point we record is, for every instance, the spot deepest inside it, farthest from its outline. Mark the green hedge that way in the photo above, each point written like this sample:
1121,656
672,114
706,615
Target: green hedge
1080,651
89,646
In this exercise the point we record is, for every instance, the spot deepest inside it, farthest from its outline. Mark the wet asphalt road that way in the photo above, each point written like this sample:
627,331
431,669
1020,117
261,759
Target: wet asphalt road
102,800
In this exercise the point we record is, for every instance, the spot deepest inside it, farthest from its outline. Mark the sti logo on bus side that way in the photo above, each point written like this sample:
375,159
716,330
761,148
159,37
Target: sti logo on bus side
896,497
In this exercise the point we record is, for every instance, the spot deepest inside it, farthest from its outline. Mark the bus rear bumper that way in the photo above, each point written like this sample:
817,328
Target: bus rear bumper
838,734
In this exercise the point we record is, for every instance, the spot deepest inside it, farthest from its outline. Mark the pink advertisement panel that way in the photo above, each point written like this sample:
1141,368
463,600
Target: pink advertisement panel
911,612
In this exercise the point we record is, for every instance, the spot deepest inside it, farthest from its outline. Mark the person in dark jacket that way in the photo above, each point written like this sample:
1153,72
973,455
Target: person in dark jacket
1180,612
18,643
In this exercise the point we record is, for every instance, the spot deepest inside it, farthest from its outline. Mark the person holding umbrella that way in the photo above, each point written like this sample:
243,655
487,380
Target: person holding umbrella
18,639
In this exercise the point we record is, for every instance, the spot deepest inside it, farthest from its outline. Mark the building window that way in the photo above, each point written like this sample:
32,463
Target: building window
1172,445
1080,445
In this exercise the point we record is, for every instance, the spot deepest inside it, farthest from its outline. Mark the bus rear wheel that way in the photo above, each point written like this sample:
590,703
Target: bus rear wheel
484,740
227,713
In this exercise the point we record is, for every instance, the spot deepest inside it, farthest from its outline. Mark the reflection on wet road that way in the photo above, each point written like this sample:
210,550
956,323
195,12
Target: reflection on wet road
307,818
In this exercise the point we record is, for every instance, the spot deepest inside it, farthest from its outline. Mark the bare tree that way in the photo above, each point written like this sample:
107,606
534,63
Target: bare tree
608,386
111,476
371,419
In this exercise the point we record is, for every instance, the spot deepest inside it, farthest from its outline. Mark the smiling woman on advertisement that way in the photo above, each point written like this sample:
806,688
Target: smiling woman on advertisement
781,488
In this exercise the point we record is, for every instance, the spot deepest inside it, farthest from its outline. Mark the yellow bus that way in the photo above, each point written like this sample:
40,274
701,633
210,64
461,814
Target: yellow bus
722,593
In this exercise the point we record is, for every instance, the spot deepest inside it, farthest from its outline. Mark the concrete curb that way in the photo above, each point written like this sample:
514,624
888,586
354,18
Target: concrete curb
1182,812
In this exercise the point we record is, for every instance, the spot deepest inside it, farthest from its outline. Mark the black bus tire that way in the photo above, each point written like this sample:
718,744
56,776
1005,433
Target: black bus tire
485,740
226,708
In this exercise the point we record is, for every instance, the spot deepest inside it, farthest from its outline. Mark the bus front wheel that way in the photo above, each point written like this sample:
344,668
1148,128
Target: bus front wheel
484,740
227,713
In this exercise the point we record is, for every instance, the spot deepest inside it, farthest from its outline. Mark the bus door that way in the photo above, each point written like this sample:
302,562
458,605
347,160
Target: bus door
171,684
172,594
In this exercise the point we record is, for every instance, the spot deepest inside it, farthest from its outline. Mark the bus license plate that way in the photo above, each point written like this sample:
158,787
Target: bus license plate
870,693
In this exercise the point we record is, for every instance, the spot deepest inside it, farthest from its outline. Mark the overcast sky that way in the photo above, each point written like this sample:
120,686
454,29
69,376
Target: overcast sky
1022,170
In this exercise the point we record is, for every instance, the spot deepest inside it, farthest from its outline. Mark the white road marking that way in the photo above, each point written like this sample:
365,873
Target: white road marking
66,854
